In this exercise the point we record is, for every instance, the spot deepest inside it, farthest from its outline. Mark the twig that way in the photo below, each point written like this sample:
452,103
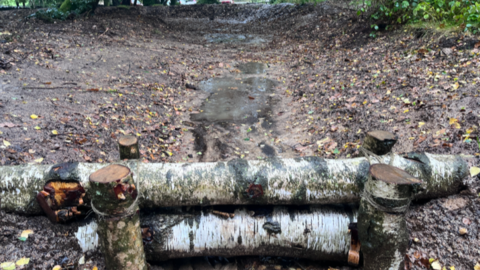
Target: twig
38,87
103,33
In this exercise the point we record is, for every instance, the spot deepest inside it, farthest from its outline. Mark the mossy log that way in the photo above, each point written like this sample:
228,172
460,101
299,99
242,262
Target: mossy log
113,196
308,180
382,228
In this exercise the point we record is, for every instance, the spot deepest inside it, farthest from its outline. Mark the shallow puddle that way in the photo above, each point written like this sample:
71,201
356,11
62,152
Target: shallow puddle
234,99
252,68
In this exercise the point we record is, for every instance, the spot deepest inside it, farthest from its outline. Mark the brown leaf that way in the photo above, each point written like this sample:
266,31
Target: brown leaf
477,45
93,90
6,124
48,83
420,140
252,98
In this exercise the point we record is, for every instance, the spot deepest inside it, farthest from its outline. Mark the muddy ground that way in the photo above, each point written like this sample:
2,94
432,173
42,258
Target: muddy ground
209,83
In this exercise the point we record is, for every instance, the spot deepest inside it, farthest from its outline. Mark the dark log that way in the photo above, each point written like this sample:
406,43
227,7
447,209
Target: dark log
382,227
128,147
114,201
379,142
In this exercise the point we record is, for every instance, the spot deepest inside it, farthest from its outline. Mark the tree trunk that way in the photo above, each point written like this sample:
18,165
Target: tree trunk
308,180
382,228
113,198
126,2
379,142
313,232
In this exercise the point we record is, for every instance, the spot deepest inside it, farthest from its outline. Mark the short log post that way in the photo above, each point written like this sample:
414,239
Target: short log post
381,220
379,142
113,196
128,147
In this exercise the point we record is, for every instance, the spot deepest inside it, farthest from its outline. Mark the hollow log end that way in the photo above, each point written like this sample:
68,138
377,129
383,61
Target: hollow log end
392,175
128,140
109,174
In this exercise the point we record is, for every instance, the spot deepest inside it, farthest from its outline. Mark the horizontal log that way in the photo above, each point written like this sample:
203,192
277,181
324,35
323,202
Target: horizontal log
315,232
307,180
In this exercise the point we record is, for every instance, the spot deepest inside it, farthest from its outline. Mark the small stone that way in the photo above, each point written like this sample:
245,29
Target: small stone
462,231
278,267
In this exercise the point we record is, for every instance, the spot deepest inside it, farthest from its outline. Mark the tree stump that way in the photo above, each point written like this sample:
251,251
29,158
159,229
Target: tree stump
381,220
379,142
114,200
128,147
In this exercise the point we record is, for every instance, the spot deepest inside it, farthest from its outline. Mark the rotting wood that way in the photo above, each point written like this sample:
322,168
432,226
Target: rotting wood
114,201
379,142
382,228
307,180
128,147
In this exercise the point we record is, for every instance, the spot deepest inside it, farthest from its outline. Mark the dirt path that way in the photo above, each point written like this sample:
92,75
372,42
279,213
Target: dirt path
184,80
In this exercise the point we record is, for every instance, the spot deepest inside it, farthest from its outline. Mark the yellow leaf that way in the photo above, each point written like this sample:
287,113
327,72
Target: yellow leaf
453,120
23,261
169,153
457,125
474,171
54,132
25,233
7,266
452,267
477,266
38,160
138,134
405,111
436,265
95,268
37,128
365,102
431,260
34,116
420,124
6,143
57,267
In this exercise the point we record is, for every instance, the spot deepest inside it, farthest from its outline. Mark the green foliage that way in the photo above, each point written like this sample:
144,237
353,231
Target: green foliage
465,13
298,2
208,2
68,8
148,2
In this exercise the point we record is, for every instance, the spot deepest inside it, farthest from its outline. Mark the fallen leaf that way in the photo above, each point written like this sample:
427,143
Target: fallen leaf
477,266
38,160
23,261
54,132
95,268
452,121
93,90
7,266
6,143
9,125
420,124
57,267
34,116
436,265
462,231
252,98
37,128
473,170
25,233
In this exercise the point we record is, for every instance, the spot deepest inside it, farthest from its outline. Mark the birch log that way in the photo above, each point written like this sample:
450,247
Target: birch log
307,180
319,233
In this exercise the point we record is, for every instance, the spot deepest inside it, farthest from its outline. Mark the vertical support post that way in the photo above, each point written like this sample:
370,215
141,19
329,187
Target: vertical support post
128,147
114,201
379,142
381,225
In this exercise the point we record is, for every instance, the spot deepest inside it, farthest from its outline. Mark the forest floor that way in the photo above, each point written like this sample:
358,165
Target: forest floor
210,83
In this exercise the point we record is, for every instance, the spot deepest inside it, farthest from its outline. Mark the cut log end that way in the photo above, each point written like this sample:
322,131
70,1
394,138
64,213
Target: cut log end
111,173
392,175
128,147
379,142
127,141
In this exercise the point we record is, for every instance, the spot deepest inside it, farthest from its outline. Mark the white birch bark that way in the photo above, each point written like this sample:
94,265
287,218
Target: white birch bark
309,180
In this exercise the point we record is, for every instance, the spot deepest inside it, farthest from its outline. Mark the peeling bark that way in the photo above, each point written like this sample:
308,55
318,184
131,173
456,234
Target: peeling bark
319,233
308,180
